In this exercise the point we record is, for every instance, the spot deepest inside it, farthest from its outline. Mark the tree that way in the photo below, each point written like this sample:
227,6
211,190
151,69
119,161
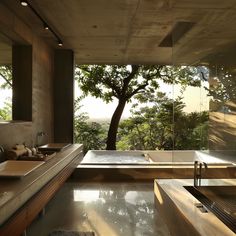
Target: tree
5,112
124,83
91,134
6,76
164,125
222,88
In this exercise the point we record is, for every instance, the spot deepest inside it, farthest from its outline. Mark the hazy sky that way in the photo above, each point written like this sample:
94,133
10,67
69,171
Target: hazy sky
195,99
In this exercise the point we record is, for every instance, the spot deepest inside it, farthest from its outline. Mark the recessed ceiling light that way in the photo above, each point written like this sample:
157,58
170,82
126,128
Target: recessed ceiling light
24,3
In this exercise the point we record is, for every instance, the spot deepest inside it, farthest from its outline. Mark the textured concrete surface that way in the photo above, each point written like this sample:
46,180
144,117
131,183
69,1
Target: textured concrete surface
131,31
42,78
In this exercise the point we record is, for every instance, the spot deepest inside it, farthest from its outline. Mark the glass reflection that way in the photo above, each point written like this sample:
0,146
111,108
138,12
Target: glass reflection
222,107
209,46
86,195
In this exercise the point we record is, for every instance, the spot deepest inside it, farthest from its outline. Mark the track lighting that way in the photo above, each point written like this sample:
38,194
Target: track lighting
45,25
24,3
60,44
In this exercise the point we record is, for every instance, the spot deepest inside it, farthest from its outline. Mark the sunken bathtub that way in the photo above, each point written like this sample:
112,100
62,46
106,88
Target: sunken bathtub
145,164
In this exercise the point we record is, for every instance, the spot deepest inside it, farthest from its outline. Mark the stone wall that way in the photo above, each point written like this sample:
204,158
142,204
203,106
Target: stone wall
42,83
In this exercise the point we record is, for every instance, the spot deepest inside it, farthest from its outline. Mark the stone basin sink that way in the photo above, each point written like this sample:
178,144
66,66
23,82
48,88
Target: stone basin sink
18,169
56,147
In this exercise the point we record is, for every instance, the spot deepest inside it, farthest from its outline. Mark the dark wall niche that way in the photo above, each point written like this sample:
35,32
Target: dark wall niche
22,82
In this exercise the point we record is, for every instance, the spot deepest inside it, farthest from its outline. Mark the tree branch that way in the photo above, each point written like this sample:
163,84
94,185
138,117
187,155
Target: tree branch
129,78
7,81
137,90
111,85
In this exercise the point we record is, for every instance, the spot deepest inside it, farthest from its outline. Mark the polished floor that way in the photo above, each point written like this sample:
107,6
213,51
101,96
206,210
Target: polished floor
108,209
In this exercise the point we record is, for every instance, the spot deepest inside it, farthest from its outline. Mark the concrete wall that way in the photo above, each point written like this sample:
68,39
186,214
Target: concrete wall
42,82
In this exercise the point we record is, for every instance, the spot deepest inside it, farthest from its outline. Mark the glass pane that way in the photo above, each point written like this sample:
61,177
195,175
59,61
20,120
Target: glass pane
203,40
5,79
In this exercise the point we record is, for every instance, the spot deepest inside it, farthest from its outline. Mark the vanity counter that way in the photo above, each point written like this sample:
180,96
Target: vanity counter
16,192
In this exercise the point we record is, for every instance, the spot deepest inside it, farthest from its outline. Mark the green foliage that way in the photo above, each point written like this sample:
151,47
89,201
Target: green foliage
164,125
191,131
127,82
90,134
123,82
223,86
5,112
6,74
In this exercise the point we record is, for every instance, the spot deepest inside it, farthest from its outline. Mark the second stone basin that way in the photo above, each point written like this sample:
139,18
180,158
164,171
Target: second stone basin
54,147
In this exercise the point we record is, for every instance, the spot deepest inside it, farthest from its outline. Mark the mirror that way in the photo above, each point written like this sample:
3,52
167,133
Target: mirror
5,79
15,81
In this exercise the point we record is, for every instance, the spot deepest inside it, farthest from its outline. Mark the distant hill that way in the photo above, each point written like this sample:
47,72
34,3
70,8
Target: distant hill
102,120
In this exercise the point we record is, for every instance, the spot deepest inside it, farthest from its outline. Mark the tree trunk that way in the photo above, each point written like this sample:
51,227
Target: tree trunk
115,120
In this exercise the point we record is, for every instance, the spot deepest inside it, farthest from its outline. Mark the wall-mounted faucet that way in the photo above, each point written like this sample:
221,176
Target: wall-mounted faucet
38,135
198,172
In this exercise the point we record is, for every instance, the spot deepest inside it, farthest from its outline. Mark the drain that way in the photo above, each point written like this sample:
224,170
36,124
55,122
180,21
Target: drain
201,207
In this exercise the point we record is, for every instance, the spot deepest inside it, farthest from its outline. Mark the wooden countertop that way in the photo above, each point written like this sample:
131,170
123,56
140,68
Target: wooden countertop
14,192
178,207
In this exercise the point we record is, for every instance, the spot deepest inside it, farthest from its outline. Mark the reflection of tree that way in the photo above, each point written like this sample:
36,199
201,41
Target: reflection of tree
222,128
222,87
125,215
5,112
222,131
6,76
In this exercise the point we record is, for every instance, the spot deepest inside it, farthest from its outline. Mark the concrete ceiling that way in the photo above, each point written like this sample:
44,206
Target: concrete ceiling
131,31
5,50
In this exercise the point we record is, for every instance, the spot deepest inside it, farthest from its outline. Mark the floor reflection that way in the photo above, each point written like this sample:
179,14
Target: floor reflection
105,208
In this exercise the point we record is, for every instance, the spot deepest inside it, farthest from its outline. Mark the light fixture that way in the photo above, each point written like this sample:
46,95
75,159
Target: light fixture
60,44
45,25
24,3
